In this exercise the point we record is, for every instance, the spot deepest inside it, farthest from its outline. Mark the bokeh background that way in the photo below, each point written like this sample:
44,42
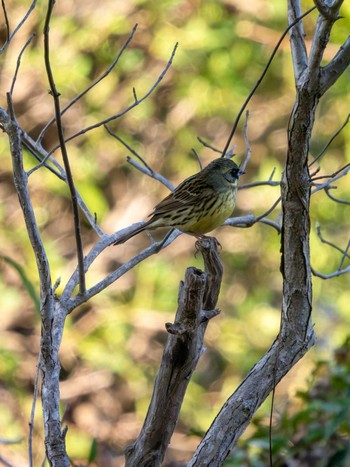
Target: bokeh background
112,345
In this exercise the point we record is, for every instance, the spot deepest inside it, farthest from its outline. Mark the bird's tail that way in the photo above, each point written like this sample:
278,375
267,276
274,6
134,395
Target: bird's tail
132,233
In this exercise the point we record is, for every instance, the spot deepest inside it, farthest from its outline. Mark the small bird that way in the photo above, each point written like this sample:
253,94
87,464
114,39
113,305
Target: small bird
199,204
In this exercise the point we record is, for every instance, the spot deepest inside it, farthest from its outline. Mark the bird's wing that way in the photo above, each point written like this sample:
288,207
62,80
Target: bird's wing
188,193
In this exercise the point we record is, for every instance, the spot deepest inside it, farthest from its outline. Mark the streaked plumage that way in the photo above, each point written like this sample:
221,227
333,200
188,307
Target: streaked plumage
199,204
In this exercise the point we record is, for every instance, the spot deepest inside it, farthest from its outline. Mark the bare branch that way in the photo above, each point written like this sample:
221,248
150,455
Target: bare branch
7,24
73,302
330,9
320,41
14,133
327,242
20,24
333,198
345,256
330,141
32,414
19,62
7,442
5,463
249,220
151,173
64,152
199,292
207,145
38,151
52,319
297,43
331,275
259,183
246,140
198,159
334,69
239,409
251,94
129,148
127,109
331,178
98,80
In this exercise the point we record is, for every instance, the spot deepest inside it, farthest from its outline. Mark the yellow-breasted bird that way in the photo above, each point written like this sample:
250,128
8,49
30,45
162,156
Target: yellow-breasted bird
199,204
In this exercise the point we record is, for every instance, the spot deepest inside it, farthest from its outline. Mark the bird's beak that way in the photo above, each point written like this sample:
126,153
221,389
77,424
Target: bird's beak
241,172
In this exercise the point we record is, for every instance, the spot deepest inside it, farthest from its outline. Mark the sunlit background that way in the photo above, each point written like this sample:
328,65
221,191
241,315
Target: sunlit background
112,345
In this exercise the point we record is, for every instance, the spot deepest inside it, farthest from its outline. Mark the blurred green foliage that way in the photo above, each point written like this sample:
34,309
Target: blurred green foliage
112,345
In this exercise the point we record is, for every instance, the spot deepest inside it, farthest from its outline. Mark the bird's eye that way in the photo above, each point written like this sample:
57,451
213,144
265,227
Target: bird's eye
234,173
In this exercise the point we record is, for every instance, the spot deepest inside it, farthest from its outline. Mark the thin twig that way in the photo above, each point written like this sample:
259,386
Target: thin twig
228,142
246,140
98,80
5,463
9,442
198,159
340,173
37,149
19,62
70,182
32,413
327,242
7,24
207,145
20,24
255,184
129,148
127,109
152,173
330,141
331,275
98,248
272,208
334,198
345,256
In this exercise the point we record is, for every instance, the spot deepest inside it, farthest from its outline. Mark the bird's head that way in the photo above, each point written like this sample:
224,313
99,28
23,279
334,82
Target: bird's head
226,170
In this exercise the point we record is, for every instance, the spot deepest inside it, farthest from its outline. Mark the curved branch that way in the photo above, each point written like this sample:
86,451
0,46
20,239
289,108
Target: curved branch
330,141
98,80
144,168
331,275
127,109
334,198
19,62
20,24
334,69
257,84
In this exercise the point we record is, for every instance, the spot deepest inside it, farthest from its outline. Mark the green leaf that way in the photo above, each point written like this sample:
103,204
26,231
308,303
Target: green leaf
93,452
26,281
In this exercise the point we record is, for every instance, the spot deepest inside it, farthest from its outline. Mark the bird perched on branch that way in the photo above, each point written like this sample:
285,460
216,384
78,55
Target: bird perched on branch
199,204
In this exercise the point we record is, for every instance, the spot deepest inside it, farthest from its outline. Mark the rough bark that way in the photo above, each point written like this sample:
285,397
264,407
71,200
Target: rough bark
296,332
52,315
198,296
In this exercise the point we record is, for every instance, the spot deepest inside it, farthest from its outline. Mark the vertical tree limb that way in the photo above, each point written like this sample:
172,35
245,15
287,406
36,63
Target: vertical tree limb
296,37
198,296
52,316
296,333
